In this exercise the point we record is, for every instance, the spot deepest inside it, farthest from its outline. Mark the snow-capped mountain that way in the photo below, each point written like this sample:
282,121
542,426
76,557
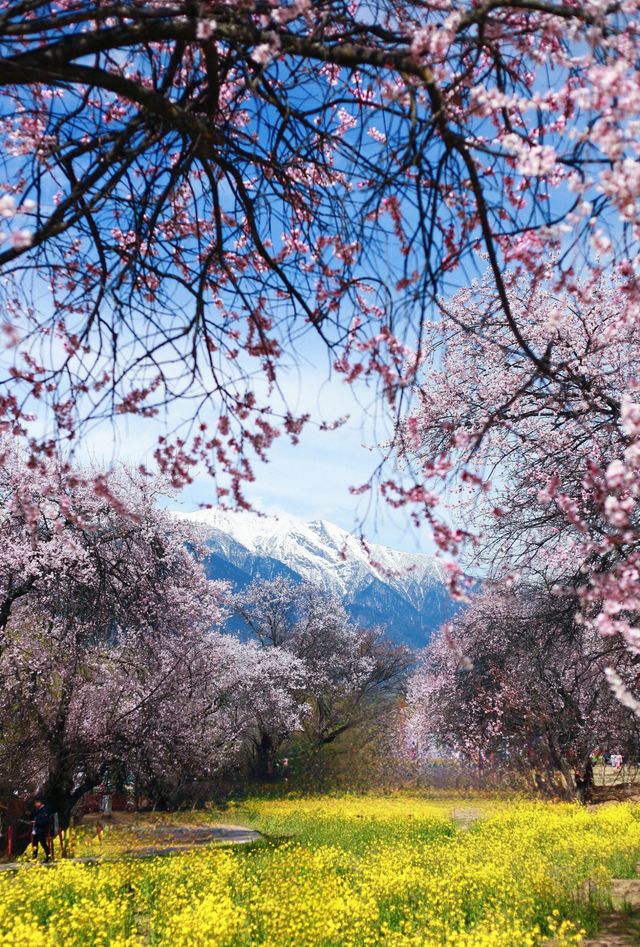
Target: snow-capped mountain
403,591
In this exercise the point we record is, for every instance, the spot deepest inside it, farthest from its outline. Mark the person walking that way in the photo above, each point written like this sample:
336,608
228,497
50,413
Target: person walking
40,831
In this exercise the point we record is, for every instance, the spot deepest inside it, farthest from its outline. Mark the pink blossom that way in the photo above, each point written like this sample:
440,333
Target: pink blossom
7,206
630,416
537,161
205,29
615,474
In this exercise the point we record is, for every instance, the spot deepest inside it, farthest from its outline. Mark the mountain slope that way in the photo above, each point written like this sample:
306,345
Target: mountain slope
405,592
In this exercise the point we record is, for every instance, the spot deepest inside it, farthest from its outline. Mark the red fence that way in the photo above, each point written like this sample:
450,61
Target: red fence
15,825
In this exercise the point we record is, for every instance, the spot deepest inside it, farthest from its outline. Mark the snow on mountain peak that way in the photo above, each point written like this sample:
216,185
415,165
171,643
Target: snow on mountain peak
321,552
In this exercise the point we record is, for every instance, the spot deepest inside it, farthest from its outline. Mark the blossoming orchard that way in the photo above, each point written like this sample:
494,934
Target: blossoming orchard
201,200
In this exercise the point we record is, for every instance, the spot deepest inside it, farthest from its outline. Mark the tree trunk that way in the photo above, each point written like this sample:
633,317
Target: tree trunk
57,794
568,776
61,796
265,750
560,761
584,782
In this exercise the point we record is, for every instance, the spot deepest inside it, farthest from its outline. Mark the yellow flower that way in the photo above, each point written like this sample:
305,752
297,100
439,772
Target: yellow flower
363,871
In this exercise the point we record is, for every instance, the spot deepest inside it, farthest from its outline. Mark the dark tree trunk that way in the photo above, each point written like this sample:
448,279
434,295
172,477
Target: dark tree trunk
264,761
61,796
584,782
58,795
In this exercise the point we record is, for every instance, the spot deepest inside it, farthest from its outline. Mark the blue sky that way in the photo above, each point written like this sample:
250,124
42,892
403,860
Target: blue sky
310,480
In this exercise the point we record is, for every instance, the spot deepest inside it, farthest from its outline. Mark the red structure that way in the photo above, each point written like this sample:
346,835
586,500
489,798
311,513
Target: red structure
15,827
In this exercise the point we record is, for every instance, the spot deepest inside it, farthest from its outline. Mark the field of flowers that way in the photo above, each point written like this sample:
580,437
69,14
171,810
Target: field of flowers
343,871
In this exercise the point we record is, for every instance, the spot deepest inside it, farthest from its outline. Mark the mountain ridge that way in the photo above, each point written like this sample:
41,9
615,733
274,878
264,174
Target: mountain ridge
405,592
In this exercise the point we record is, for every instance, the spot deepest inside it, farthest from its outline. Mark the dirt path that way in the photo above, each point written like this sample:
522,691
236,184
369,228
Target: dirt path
166,840
465,817
620,928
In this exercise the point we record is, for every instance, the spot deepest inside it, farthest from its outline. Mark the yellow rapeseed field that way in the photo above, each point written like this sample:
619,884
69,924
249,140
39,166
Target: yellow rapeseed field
343,871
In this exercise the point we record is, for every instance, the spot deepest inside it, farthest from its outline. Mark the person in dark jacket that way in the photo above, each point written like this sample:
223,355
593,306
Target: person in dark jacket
40,831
